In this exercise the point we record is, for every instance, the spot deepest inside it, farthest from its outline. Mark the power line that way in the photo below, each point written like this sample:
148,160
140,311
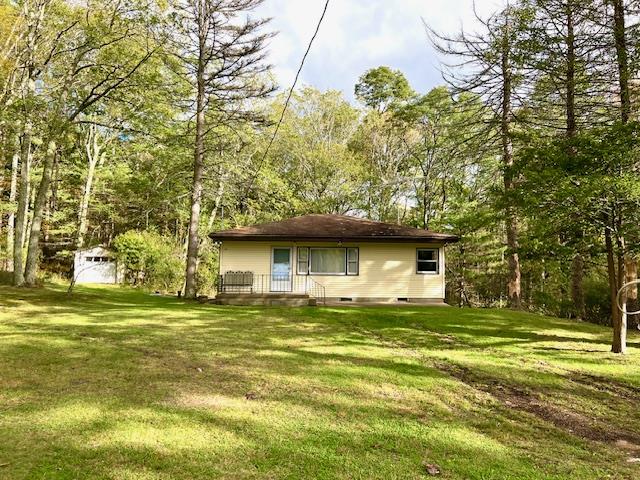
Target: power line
286,103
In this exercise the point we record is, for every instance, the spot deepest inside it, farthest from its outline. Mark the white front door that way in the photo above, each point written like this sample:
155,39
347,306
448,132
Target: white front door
281,269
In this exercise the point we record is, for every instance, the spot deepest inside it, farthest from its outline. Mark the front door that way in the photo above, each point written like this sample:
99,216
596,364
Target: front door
281,269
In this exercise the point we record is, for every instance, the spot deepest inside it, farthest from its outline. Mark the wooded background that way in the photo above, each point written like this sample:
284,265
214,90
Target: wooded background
145,125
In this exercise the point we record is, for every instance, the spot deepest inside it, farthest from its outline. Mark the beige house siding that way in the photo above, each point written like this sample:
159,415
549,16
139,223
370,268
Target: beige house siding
386,270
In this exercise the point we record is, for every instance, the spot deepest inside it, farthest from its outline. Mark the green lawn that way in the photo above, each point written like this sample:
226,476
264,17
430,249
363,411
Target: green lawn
117,384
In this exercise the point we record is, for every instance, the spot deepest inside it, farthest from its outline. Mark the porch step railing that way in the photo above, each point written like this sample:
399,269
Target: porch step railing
315,290
249,282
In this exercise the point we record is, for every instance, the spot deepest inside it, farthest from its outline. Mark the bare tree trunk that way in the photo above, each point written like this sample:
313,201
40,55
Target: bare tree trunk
425,196
95,157
571,74
622,274
12,216
33,250
511,221
577,264
618,344
84,206
4,144
632,292
619,32
217,202
198,164
33,14
23,204
29,215
577,288
625,113
3,166
462,283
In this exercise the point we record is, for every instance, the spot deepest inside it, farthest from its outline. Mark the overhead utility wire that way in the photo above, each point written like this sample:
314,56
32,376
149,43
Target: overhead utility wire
286,103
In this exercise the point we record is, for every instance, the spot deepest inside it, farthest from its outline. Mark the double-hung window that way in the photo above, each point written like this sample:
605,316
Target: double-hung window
427,261
327,261
352,261
303,261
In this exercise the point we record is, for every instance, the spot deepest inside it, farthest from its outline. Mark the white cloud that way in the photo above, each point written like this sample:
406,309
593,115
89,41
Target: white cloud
360,34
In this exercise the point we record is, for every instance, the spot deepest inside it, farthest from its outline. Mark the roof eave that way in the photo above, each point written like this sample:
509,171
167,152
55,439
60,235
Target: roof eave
346,238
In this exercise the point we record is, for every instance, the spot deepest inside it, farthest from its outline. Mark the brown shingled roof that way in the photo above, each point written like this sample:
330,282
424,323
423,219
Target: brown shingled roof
332,227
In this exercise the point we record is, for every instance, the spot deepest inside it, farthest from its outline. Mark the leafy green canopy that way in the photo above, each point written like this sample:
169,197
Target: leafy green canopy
381,88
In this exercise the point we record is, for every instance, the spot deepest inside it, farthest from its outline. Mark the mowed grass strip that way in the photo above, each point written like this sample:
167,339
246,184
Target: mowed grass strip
113,383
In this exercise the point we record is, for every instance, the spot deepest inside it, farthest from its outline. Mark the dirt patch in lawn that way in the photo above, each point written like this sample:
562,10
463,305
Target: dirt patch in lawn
607,385
534,403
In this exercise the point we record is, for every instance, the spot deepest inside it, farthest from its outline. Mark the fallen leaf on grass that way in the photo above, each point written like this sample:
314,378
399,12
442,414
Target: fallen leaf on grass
432,468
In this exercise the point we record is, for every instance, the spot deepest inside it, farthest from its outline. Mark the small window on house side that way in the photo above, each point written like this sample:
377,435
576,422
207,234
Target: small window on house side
427,261
303,260
352,261
88,259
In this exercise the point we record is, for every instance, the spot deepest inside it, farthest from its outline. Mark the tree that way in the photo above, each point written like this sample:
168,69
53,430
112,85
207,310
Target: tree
94,145
598,185
222,57
443,141
379,141
68,51
494,70
566,82
383,88
617,219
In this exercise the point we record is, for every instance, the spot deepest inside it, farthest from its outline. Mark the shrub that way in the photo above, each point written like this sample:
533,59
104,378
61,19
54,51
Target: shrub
597,300
207,276
150,259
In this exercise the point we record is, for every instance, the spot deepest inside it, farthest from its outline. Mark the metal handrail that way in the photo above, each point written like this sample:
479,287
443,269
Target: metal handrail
317,290
249,282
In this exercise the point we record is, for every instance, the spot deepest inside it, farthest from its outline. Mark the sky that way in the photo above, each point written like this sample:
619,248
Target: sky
357,35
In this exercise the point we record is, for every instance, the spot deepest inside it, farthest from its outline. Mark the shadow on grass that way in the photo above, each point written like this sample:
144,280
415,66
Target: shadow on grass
113,383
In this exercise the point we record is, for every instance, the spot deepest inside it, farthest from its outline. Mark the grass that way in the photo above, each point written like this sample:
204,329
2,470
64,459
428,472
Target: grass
112,383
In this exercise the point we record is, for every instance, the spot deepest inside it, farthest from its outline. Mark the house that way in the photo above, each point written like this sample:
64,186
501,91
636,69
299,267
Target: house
330,257
95,265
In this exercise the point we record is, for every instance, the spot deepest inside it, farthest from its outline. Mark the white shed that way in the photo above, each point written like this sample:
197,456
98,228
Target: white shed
95,265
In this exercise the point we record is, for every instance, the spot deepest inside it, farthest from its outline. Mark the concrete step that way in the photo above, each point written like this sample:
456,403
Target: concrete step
275,299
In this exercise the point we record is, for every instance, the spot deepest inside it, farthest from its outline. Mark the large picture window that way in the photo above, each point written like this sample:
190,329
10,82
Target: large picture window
327,261
427,260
